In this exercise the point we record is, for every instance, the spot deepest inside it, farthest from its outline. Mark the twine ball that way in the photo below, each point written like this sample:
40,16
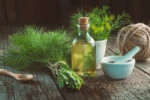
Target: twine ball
135,35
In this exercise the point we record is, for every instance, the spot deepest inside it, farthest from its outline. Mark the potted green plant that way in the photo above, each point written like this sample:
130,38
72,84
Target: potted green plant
102,23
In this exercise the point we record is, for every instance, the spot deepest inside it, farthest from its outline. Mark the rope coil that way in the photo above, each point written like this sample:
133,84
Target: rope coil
135,35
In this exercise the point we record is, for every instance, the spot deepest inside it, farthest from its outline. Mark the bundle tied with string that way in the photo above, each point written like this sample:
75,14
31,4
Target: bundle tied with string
135,35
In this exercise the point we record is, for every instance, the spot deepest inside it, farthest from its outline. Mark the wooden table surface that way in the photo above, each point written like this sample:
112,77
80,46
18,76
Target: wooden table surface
44,87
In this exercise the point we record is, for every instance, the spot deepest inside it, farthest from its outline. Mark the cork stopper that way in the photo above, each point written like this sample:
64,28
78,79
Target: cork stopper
83,21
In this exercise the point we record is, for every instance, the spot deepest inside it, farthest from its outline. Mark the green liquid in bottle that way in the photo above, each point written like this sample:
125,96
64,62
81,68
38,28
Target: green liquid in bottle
83,59
83,54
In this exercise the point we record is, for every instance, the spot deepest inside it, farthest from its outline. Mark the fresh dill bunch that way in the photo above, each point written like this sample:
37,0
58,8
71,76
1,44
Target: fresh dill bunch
102,22
32,46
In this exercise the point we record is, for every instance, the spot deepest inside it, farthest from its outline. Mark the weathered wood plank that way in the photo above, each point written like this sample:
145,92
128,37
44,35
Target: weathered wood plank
3,89
41,88
136,9
2,12
144,66
73,95
9,91
35,11
85,93
69,94
48,86
11,10
99,94
3,93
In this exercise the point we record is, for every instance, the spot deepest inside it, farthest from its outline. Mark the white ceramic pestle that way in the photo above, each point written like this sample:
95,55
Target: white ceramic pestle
128,55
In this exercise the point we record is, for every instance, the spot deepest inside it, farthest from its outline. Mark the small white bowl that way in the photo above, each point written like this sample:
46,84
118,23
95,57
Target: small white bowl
117,70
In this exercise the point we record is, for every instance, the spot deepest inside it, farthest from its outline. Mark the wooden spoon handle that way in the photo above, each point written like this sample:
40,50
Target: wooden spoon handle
6,72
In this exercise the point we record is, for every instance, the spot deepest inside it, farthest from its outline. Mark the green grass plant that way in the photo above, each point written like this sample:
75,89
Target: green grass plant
33,47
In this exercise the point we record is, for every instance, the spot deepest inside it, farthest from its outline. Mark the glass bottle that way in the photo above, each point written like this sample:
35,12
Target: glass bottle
83,50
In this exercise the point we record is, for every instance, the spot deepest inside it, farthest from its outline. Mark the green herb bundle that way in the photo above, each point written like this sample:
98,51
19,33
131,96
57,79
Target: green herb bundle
31,46
102,21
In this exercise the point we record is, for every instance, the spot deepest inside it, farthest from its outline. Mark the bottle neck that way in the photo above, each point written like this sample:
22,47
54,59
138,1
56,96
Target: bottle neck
83,30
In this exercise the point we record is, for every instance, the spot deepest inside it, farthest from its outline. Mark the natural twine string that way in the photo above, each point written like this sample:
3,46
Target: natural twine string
135,35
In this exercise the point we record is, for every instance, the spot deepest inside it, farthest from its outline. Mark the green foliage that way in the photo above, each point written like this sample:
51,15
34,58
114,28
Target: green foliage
32,46
68,77
102,21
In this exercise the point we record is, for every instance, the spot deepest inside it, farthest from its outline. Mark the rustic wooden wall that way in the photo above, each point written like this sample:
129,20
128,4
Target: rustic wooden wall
36,11
28,11
134,7
53,11
2,12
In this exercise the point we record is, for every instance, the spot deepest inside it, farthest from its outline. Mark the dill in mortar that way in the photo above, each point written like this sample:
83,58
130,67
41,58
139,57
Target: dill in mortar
32,46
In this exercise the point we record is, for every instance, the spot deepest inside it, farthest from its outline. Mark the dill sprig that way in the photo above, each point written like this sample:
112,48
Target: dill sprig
102,22
32,46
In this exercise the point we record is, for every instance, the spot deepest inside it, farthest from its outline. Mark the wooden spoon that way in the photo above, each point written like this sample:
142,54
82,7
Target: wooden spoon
20,77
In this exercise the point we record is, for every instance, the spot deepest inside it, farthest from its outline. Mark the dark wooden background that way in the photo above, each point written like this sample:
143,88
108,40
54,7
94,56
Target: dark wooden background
59,11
